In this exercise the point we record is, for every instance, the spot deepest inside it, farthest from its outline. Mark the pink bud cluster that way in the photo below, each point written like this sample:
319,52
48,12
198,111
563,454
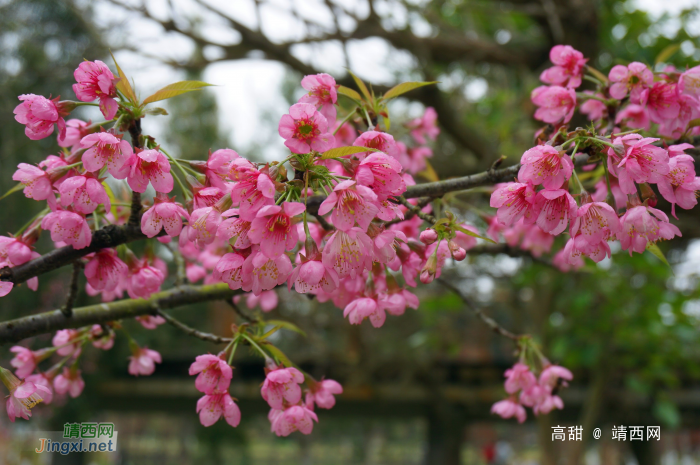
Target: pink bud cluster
527,390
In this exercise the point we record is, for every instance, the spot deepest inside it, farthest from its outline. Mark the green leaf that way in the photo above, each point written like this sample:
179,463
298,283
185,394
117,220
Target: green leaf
656,251
693,123
429,172
277,354
269,333
387,123
362,86
403,88
667,53
472,233
600,76
18,187
286,325
343,151
348,92
175,89
124,86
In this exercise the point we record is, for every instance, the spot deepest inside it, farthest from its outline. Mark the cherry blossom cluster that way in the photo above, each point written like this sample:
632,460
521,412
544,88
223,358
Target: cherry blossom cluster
548,199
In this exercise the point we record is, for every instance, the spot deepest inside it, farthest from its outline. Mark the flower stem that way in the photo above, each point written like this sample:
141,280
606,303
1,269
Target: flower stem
345,120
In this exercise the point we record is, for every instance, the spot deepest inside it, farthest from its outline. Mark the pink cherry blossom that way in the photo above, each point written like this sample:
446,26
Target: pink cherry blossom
514,201
75,130
662,102
536,240
261,273
556,104
548,403
253,190
106,149
676,126
689,83
37,184
206,196
295,418
386,243
212,406
366,307
413,159
595,109
305,129
148,166
509,408
350,203
376,140
229,270
425,126
150,321
553,209
69,381
464,240
596,221
102,338
40,379
519,378
13,252
203,225
561,262
544,165
550,376
217,166
311,276
641,225
642,162
39,115
568,69
165,213
635,78
533,395
282,386
144,280
381,173
213,374
348,252
85,192
105,271
25,360
95,80
322,93
680,184
634,116
63,340
268,300
24,395
235,230
143,361
322,393
273,229
577,246
344,136
68,227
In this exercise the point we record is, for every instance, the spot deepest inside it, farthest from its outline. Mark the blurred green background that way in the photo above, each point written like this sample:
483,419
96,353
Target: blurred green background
418,390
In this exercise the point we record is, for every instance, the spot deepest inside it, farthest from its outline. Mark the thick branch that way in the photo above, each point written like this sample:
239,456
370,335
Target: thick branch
73,289
15,330
107,237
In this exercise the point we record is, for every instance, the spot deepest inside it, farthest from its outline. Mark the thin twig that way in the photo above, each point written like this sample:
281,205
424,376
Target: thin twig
416,210
490,322
192,331
67,308
422,202
136,207
240,312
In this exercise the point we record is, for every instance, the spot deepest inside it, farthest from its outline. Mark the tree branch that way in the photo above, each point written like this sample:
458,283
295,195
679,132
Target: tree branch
192,331
48,322
67,309
490,322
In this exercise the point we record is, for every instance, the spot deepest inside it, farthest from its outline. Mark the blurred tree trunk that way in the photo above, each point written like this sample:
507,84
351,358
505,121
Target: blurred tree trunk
548,455
445,433
645,452
590,412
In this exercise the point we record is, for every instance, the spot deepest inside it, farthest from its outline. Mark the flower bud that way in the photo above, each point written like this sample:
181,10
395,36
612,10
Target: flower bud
428,236
459,254
427,274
